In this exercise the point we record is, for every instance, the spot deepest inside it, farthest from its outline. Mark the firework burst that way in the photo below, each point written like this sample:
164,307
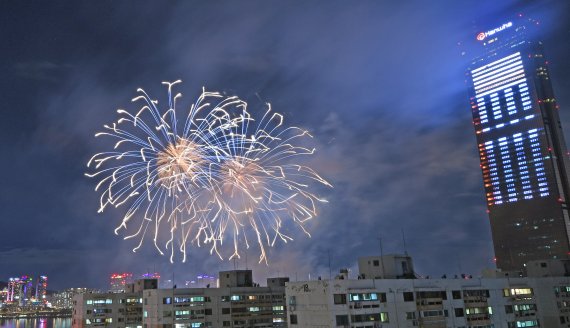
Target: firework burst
218,175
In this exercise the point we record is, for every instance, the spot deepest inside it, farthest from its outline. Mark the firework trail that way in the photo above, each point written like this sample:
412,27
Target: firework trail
218,174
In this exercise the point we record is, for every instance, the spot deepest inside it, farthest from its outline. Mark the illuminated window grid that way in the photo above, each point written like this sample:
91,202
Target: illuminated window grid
501,93
504,112
508,171
500,74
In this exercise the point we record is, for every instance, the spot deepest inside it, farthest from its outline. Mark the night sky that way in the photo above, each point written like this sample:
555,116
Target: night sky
380,84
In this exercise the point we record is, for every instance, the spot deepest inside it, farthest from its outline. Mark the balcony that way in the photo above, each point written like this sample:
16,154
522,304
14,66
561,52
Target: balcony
429,304
525,314
478,317
432,322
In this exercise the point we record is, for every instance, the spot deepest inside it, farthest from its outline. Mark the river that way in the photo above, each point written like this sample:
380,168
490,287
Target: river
36,323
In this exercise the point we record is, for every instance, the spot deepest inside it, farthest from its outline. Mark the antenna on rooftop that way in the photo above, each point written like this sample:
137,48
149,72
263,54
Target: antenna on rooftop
330,270
404,239
381,257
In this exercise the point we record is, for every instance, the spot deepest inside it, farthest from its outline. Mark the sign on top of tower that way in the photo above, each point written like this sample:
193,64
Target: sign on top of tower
483,35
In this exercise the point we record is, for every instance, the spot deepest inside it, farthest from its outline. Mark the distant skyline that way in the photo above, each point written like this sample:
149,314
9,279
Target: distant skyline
379,84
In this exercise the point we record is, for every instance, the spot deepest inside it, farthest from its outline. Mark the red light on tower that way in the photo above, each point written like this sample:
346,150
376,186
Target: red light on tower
119,281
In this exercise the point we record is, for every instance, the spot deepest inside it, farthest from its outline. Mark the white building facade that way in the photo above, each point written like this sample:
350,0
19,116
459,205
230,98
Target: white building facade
123,310
433,303
239,303
215,307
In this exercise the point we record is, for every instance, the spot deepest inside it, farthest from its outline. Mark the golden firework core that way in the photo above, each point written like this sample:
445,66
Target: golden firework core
242,177
178,163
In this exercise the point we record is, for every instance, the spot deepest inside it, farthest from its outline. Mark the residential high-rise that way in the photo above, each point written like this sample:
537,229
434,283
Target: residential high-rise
239,303
387,298
431,303
64,299
522,150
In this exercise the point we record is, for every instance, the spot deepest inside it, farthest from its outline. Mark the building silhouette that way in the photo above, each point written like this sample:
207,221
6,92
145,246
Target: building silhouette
521,145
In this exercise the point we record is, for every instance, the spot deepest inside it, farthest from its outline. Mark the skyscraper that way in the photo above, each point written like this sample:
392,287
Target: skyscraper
522,150
14,287
41,289
119,281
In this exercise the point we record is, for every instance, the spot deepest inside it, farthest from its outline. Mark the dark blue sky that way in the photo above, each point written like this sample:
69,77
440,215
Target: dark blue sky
379,83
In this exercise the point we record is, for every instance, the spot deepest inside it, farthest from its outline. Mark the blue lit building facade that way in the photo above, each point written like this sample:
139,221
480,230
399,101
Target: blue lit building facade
523,155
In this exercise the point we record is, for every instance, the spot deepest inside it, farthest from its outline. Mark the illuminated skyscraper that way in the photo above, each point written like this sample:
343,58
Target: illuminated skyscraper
150,275
41,289
14,287
21,290
522,150
119,282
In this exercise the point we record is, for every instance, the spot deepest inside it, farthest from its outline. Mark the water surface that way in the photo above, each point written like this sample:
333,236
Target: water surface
36,323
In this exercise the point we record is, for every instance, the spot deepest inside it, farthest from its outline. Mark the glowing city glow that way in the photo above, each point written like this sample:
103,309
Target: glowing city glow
217,174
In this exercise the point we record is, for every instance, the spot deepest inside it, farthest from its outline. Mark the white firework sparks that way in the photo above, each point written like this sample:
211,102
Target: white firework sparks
221,175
